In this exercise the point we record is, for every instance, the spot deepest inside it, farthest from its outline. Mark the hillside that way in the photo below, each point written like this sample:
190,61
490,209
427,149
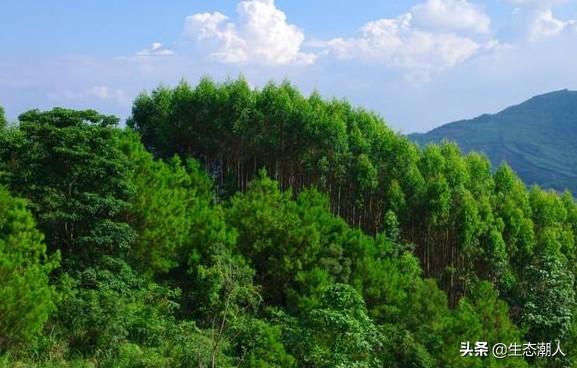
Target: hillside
227,226
536,138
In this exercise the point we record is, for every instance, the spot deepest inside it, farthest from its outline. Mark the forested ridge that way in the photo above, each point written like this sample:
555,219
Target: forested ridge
235,227
535,137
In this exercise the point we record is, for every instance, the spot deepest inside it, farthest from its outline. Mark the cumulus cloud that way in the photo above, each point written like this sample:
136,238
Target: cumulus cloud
156,49
544,24
538,24
102,93
397,43
431,37
451,15
260,34
534,20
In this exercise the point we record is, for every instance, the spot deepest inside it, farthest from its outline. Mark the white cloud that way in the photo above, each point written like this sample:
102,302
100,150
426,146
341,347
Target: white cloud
397,43
261,34
545,24
538,3
534,20
156,49
536,23
431,37
102,93
213,32
451,15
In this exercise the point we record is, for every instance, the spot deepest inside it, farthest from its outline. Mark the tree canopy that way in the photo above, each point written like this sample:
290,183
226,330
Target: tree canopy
3,121
235,227
27,298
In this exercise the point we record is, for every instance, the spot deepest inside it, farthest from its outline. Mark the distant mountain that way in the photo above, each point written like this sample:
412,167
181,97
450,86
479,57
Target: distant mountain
538,138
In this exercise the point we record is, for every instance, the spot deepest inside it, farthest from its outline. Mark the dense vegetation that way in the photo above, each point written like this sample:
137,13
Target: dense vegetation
536,138
232,227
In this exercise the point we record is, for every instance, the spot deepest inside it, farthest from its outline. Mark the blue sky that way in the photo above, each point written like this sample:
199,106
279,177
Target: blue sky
419,64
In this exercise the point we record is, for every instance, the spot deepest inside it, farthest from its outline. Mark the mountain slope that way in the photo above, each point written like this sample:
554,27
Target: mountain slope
537,138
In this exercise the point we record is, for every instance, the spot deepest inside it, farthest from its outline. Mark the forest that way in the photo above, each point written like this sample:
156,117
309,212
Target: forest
228,226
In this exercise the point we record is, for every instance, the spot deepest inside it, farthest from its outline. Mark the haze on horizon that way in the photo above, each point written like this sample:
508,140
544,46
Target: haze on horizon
419,64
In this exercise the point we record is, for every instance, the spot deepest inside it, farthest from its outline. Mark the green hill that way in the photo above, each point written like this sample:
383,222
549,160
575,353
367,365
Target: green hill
538,138
227,226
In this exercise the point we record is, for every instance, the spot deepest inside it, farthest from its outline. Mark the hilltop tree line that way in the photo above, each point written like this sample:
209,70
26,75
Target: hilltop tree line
236,227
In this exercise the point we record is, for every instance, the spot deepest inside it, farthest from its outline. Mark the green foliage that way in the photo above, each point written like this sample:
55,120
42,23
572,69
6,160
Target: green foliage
289,243
263,228
26,298
109,303
260,344
171,210
225,295
3,121
112,315
464,222
68,165
338,333
549,300
482,317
